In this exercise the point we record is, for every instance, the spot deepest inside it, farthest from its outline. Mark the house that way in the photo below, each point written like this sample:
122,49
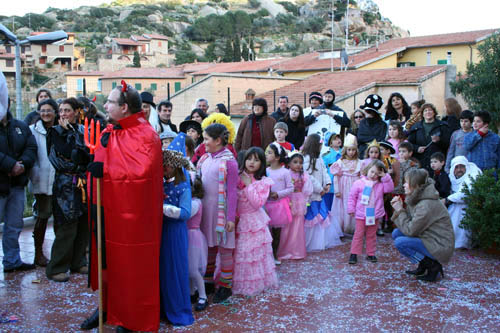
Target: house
75,83
54,57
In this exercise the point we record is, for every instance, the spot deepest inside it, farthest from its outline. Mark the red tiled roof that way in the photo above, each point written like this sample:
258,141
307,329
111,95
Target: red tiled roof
343,83
238,67
145,73
155,36
195,67
84,73
126,41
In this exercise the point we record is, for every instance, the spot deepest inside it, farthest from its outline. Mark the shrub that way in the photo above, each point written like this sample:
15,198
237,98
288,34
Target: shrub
254,3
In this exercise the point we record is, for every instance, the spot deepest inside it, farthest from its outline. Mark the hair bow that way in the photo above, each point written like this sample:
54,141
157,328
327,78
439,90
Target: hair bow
124,86
94,99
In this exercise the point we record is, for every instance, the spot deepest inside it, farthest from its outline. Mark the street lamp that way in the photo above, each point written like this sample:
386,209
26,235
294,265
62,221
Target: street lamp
7,37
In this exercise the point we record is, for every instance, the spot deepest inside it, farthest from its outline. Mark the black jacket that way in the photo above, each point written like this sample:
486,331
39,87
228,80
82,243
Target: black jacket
453,123
296,135
17,143
277,115
443,184
369,129
32,117
417,138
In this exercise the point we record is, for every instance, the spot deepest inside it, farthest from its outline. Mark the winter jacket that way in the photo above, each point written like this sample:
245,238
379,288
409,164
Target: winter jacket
32,117
369,129
457,148
453,123
244,135
278,114
443,184
426,217
418,139
354,205
17,143
43,173
296,135
483,151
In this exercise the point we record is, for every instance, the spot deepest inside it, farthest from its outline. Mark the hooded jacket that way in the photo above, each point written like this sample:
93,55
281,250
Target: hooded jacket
426,217
369,129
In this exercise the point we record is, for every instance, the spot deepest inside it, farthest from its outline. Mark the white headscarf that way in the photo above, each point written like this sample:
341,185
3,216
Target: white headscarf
4,96
471,172
153,117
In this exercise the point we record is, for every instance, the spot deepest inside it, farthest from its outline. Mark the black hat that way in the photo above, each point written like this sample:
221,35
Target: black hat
373,103
331,92
387,145
147,97
316,95
187,124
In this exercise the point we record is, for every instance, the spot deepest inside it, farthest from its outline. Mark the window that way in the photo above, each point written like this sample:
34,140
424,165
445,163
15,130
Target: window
61,48
42,60
113,85
79,85
10,63
99,85
8,49
154,86
44,48
138,86
406,64
442,62
159,44
177,86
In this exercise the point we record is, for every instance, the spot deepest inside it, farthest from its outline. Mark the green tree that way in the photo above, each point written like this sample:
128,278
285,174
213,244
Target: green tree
137,60
210,52
481,83
184,57
236,49
228,51
244,50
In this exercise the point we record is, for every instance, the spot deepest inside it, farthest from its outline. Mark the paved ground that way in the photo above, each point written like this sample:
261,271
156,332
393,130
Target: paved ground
320,294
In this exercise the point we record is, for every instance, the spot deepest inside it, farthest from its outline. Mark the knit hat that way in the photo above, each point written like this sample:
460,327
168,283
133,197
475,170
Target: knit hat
316,95
331,92
350,141
281,125
168,135
373,103
388,145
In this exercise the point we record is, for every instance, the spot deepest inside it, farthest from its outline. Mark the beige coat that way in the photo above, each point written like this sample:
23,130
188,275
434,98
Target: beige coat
427,218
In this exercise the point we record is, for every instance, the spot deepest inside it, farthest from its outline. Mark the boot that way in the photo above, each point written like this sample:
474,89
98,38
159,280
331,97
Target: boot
222,294
93,321
39,236
433,270
421,269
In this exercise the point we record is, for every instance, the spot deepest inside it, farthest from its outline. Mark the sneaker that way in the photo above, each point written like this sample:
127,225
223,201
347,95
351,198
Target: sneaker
353,259
277,262
380,233
61,277
201,305
371,258
222,294
20,268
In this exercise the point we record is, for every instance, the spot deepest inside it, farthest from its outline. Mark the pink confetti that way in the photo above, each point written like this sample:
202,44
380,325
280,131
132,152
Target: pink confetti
442,289
455,279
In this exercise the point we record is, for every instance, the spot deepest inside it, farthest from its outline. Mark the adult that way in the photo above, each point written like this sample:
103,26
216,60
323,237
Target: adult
90,111
33,116
462,174
294,119
429,136
453,111
202,103
482,145
256,129
17,156
132,200
424,233
397,108
282,109
457,147
197,115
222,109
65,146
372,127
42,176
164,118
356,118
315,101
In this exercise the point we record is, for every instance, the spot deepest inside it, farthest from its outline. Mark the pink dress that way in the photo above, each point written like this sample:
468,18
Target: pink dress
395,143
197,243
345,172
254,269
279,210
293,238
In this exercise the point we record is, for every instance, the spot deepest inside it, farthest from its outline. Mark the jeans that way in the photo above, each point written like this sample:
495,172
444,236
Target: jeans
411,247
11,212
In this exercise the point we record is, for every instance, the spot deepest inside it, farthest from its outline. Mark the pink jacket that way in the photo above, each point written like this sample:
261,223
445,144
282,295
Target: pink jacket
385,185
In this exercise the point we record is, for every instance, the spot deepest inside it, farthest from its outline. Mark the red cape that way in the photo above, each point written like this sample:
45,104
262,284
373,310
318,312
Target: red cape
132,199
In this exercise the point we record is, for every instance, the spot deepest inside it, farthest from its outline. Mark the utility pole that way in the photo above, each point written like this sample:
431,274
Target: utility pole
346,25
331,55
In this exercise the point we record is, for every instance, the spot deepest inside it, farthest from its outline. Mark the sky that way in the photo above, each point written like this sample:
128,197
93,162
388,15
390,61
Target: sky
420,17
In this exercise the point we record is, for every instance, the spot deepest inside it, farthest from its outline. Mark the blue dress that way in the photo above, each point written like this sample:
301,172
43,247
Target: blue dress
174,269
329,158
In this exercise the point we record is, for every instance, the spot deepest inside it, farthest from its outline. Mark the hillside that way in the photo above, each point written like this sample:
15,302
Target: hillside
217,30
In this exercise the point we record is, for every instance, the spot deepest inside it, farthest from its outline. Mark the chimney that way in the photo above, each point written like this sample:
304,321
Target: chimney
428,57
448,58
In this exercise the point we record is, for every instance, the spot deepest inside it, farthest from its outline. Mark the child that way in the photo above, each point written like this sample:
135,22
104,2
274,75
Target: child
193,130
198,248
443,184
280,133
254,269
396,135
345,171
174,270
483,145
366,204
166,138
372,152
406,163
219,175
393,168
278,204
320,234
457,138
333,141
293,238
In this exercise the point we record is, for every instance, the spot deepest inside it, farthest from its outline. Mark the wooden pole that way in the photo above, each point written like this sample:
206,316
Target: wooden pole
99,253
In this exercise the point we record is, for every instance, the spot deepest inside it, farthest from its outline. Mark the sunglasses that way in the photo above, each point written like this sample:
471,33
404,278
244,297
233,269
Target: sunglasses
358,117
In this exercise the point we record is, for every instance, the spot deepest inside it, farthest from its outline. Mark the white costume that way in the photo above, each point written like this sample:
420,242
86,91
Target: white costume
4,96
457,208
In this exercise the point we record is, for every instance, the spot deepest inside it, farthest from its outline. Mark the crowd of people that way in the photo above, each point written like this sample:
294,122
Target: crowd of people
204,208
